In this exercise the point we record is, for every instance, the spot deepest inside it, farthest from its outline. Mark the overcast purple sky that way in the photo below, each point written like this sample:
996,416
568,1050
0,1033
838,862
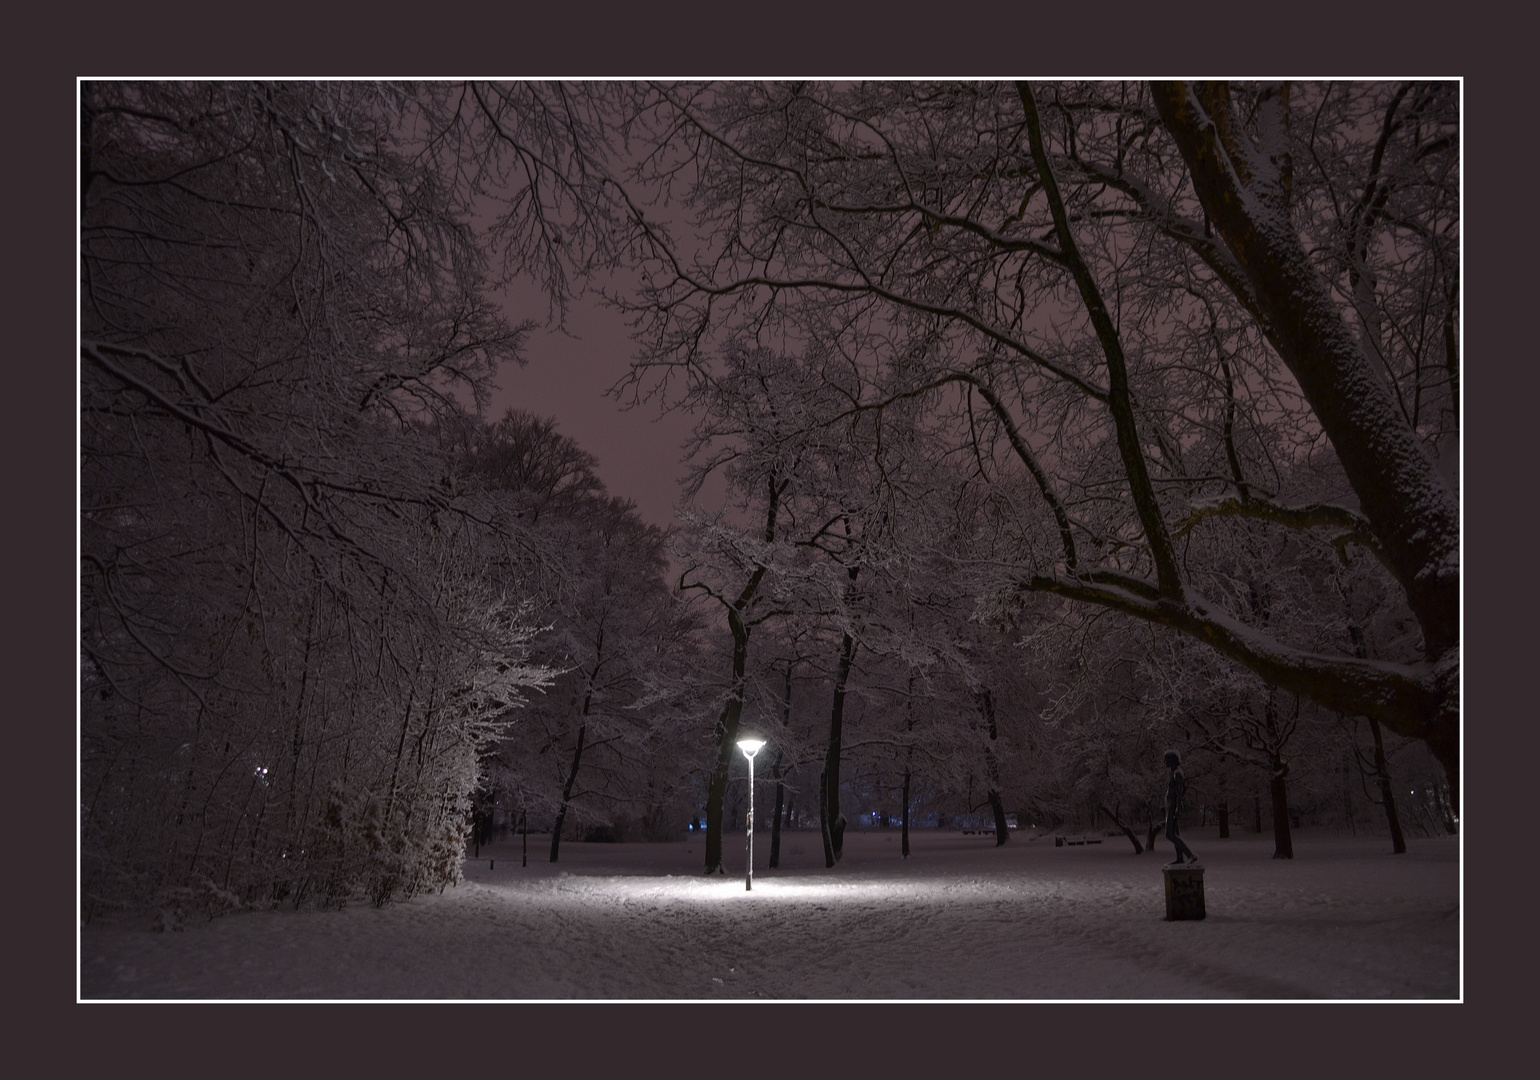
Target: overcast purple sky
567,377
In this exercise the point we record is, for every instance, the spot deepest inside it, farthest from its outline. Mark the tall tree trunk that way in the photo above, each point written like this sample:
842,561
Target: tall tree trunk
1381,764
727,722
395,769
778,771
566,792
1002,827
775,820
823,818
834,821
908,759
1349,766
577,760
299,719
1283,839
992,767
1224,820
727,735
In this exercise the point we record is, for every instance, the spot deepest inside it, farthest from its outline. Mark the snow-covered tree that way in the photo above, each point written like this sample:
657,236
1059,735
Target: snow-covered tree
1148,296
289,661
729,566
602,743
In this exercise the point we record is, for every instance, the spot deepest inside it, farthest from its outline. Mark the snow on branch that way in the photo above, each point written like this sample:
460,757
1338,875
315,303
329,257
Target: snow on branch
1353,528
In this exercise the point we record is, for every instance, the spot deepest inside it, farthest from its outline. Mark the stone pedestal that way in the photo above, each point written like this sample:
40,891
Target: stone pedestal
1184,892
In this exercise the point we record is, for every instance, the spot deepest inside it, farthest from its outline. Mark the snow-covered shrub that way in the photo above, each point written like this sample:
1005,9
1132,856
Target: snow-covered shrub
290,655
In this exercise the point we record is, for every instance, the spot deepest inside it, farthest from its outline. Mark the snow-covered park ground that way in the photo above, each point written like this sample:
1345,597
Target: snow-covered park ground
960,919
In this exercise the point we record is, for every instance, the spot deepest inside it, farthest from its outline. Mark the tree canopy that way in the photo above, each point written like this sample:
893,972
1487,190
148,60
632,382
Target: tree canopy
979,364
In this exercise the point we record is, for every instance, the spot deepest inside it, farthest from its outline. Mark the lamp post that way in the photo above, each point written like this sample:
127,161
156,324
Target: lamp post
750,747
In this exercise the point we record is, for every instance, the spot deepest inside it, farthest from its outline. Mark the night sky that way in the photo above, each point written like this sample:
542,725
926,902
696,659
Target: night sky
567,376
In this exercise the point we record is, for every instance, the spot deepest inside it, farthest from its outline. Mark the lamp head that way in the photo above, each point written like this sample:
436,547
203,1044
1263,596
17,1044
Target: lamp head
750,747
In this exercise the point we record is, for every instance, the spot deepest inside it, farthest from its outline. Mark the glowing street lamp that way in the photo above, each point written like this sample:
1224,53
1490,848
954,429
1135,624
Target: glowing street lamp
750,747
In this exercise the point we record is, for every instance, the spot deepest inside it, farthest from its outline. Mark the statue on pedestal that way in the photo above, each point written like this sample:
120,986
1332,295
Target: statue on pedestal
1176,789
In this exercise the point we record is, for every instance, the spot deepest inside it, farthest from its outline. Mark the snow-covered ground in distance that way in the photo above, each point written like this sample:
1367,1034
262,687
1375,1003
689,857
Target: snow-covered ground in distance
960,919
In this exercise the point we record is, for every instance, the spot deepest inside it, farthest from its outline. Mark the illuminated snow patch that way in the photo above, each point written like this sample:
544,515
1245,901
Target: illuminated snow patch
790,890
